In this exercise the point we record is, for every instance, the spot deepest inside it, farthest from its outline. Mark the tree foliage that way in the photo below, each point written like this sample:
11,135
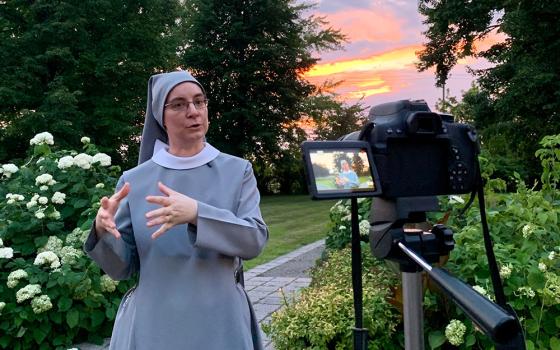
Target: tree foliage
250,56
80,67
517,99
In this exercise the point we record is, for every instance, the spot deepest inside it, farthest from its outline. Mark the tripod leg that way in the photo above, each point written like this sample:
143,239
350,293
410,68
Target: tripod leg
412,310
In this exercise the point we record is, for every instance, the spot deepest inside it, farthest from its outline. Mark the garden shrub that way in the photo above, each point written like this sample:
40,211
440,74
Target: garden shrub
51,294
322,316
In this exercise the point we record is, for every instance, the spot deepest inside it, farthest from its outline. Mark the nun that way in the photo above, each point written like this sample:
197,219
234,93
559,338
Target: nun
183,220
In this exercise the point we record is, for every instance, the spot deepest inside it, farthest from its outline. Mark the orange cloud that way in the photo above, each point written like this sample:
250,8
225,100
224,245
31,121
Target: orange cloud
367,25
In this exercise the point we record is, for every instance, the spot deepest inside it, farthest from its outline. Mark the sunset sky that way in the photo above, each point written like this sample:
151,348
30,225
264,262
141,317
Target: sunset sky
377,63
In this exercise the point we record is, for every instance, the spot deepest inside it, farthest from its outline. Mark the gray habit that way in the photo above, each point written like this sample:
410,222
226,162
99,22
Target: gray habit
187,296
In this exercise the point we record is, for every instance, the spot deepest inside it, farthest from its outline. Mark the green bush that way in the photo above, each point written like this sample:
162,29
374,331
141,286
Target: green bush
322,316
51,294
339,234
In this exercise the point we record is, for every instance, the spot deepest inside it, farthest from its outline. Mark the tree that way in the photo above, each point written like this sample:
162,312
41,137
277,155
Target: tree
250,56
519,94
80,67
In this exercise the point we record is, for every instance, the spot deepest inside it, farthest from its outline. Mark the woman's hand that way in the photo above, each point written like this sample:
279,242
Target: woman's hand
105,219
176,209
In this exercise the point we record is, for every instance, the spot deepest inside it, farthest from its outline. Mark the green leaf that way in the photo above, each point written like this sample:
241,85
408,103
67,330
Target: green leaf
39,334
97,318
436,339
530,345
21,332
64,304
80,203
536,280
557,321
554,343
531,326
470,340
72,318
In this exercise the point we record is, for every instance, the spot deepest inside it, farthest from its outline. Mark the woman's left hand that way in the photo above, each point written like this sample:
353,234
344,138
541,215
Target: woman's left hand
176,209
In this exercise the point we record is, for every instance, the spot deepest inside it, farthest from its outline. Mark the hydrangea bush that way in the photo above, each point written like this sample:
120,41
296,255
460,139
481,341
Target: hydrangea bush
526,234
51,294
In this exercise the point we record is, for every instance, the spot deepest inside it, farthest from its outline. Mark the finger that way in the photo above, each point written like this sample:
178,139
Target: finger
160,231
157,221
163,201
114,232
105,203
165,190
157,212
123,192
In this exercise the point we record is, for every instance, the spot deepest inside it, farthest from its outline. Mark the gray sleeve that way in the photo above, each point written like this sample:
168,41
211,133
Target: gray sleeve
241,234
117,257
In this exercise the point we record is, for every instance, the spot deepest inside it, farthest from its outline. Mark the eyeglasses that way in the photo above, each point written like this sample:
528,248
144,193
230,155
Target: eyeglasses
183,105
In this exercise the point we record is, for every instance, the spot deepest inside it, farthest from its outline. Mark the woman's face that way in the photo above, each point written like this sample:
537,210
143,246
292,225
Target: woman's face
345,166
186,127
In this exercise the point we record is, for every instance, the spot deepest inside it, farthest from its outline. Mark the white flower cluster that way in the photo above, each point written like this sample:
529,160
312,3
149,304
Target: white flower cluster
505,271
85,140
65,162
482,291
527,230
41,304
54,244
6,253
2,306
58,198
364,228
102,158
55,214
100,185
8,169
33,201
47,258
27,292
77,237
526,291
340,208
15,276
456,199
44,138
542,267
83,160
70,255
12,198
107,284
455,332
40,214
552,255
44,180
552,288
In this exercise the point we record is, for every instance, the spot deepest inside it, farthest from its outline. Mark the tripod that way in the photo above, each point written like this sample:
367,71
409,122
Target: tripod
390,240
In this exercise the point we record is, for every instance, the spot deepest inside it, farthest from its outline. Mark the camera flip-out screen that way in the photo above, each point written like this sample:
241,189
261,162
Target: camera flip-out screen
340,169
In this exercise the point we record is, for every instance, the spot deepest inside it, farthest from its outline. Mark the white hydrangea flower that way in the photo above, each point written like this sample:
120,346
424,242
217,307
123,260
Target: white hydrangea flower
107,284
9,169
83,160
552,255
527,230
100,185
54,244
41,304
76,237
542,267
44,179
342,227
526,291
43,200
481,290
15,276
70,255
44,188
44,138
58,198
27,292
39,214
65,162
456,199
102,158
2,306
455,332
85,140
47,258
1,242
6,253
13,197
505,271
31,204
364,227
55,215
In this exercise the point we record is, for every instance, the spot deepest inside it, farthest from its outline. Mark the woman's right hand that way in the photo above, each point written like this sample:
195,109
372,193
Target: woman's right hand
105,219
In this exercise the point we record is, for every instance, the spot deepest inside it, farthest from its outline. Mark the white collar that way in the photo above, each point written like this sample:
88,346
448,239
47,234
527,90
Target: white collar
167,160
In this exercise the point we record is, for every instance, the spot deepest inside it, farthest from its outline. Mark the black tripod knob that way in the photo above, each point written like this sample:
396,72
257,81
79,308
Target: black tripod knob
444,237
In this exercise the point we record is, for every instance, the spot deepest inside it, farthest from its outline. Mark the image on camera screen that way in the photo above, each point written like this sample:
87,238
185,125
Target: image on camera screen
341,170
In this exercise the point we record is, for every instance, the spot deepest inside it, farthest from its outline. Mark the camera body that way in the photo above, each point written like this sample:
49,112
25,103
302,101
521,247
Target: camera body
418,152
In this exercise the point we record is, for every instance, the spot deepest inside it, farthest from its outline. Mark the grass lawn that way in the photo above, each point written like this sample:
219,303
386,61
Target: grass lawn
293,221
